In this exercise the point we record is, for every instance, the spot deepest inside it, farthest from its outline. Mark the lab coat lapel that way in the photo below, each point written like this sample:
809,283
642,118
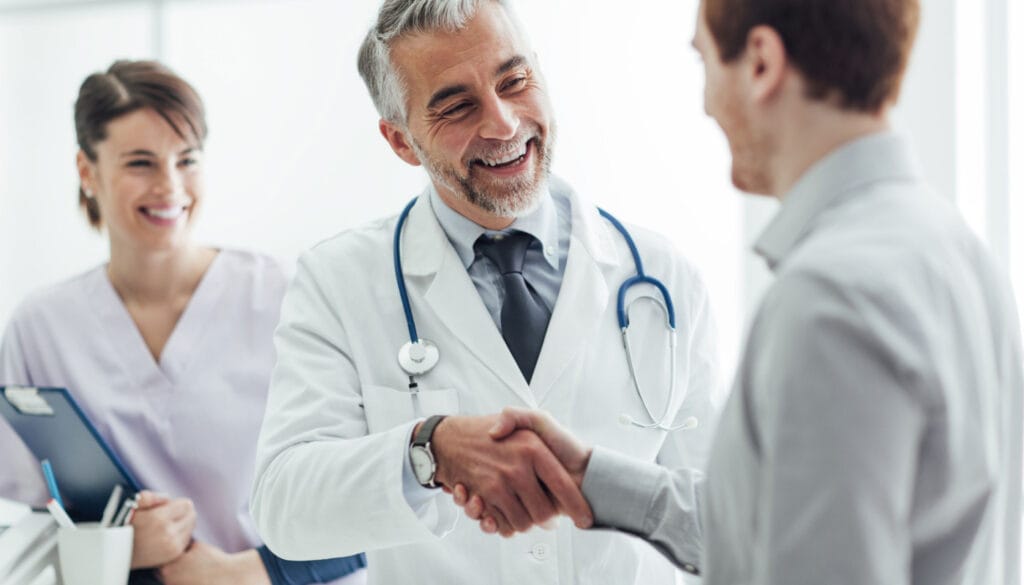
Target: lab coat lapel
453,298
582,298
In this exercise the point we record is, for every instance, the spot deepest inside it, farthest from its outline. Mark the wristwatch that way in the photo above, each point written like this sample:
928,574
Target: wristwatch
424,465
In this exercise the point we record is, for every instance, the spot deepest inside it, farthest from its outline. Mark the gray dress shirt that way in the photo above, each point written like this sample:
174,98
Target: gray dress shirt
874,431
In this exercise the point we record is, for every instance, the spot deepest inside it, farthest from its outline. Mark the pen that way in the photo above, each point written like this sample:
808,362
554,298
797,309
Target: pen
51,482
58,513
111,507
123,514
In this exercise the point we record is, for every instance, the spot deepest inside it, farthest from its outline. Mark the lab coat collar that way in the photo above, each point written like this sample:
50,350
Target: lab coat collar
884,156
462,232
425,243
581,303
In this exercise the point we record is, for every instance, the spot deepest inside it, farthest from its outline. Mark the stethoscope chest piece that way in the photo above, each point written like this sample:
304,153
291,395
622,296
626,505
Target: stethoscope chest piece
419,357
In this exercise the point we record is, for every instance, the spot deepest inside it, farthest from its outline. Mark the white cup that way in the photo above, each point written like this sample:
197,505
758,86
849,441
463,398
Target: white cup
90,555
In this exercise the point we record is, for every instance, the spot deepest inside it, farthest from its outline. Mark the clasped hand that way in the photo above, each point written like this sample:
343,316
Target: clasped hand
512,471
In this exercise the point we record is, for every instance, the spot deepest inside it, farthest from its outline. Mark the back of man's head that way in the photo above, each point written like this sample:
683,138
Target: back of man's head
854,51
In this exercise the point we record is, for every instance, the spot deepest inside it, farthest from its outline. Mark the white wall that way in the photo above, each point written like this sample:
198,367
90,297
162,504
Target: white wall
294,154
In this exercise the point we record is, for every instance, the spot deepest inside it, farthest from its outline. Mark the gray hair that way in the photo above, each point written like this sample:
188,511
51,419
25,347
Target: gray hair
397,19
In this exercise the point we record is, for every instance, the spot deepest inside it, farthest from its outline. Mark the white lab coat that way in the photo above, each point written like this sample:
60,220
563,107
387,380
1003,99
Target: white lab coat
339,416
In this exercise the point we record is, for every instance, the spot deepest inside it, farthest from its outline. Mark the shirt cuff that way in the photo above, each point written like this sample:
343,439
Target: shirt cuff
620,490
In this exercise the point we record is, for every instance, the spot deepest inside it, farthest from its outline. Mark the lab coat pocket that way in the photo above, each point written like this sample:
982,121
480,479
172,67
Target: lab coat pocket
387,408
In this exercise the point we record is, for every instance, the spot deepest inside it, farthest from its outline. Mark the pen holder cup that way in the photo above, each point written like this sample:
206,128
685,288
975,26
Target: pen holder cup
90,555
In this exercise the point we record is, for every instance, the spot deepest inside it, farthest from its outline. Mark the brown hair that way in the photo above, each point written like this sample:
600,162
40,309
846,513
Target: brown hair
857,49
126,87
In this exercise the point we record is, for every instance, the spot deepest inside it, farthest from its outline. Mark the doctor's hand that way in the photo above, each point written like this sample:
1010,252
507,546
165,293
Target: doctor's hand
570,451
519,478
204,564
163,528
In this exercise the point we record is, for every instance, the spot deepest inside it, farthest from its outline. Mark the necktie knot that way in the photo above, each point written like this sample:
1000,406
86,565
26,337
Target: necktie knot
508,252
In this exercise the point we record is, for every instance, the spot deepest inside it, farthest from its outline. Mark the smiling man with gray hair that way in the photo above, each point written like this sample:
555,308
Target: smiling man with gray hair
514,280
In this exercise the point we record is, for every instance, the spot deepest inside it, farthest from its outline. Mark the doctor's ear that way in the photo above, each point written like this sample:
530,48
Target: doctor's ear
399,142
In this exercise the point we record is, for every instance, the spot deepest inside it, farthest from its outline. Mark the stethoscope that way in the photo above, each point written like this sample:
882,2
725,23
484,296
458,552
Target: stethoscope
419,356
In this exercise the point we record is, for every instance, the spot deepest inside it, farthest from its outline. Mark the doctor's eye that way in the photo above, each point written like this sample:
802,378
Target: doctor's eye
456,110
139,163
515,83
188,162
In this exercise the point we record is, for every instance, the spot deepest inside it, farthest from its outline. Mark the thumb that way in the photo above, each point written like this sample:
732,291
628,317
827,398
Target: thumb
508,421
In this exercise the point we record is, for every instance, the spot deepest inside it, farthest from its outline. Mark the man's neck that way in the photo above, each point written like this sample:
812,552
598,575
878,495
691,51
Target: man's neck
811,136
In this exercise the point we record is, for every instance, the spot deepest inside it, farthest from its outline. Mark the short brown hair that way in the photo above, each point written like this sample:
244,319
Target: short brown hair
126,87
857,49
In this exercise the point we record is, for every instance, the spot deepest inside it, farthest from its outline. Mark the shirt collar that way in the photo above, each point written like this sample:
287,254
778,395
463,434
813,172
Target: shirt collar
541,223
877,157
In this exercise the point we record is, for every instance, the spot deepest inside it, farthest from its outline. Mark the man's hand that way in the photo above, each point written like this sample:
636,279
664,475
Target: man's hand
572,454
521,480
205,564
163,529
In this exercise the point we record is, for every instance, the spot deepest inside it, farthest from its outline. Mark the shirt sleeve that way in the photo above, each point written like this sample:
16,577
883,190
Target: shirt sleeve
838,425
648,501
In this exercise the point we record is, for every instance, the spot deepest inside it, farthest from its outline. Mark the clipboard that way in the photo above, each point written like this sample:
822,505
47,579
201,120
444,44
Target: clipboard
54,427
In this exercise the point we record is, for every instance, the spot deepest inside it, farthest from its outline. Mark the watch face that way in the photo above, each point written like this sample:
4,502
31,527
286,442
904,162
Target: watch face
422,464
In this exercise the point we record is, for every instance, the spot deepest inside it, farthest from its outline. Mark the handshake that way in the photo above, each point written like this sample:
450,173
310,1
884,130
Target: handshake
512,471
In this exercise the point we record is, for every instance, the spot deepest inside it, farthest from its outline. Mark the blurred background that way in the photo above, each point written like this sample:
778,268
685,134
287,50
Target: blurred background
294,155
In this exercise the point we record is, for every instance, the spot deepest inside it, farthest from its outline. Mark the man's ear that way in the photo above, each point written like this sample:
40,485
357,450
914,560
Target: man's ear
399,142
767,62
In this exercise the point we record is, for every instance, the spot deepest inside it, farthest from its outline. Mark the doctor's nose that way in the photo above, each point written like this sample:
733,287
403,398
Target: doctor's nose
500,121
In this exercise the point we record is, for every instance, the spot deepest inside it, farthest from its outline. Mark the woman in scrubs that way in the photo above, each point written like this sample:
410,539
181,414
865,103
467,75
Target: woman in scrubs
168,346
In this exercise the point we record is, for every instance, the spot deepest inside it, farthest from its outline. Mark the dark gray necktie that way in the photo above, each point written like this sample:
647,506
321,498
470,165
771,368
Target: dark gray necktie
524,317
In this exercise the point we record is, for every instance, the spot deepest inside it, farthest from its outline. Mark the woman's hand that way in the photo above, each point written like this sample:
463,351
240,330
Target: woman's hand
205,564
163,529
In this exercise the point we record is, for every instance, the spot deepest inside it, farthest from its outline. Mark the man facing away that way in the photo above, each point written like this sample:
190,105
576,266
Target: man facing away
873,435
514,279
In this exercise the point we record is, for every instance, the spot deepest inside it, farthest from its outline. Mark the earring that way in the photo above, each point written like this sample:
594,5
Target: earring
88,194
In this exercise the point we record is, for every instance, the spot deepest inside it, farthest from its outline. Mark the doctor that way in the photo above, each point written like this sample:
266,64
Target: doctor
514,280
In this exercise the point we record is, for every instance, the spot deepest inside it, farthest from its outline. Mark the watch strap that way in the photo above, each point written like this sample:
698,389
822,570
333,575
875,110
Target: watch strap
426,432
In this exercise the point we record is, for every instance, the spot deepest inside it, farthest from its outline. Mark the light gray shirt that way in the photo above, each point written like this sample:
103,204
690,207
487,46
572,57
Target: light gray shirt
874,431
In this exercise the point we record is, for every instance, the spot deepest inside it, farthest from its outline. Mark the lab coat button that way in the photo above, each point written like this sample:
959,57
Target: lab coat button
539,551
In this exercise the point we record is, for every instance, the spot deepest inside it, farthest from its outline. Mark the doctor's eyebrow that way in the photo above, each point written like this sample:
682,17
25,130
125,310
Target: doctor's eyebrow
445,93
450,90
511,64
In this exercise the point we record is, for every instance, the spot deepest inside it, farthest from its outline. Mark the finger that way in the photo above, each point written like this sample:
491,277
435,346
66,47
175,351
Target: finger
508,503
537,503
147,499
510,419
475,508
460,495
501,524
180,508
489,525
564,490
